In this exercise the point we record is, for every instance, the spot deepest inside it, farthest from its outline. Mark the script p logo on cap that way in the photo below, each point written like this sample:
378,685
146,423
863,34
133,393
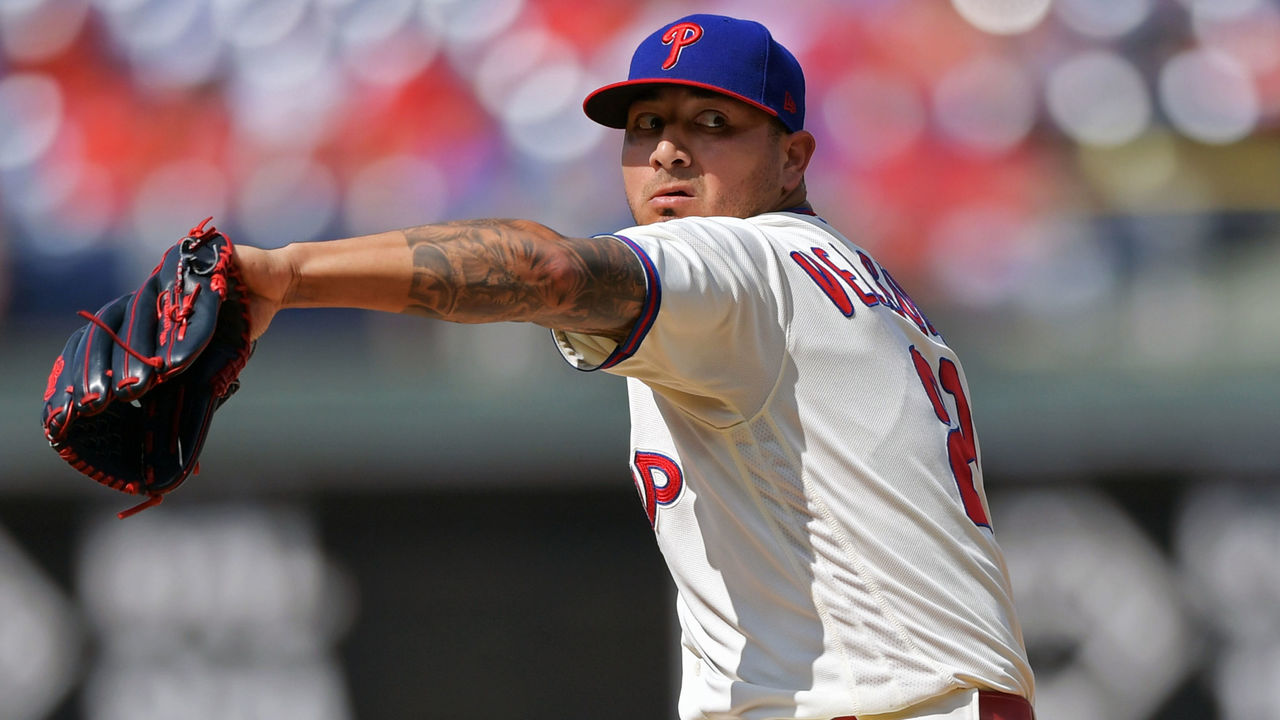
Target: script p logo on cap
738,58
678,36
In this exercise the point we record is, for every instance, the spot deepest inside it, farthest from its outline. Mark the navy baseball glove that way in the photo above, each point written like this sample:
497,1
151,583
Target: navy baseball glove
130,400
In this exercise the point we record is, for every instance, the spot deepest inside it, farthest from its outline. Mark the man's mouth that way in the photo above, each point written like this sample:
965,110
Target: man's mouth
671,201
671,192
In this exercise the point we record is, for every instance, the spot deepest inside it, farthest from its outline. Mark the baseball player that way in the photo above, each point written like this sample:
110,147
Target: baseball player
802,440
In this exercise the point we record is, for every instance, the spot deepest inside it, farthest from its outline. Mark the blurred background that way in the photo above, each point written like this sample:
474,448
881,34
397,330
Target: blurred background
400,518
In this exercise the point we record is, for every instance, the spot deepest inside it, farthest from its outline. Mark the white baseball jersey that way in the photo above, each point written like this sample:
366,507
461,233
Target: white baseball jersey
801,440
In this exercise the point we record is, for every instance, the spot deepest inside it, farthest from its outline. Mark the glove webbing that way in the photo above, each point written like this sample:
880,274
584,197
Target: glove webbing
154,498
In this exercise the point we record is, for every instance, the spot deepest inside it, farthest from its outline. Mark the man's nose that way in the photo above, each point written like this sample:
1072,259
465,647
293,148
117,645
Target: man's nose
669,153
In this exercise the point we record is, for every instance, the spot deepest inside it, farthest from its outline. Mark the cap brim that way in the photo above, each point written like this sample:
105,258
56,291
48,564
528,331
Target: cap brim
609,104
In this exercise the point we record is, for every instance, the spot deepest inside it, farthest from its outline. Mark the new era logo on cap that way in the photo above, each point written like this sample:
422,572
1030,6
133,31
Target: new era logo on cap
738,58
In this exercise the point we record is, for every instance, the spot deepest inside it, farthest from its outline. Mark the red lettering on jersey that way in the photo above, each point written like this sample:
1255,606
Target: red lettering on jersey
680,36
890,293
909,307
870,266
648,467
925,372
962,447
826,281
855,283
894,296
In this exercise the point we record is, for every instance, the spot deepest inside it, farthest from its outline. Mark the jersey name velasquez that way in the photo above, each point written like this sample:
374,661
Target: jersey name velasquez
803,447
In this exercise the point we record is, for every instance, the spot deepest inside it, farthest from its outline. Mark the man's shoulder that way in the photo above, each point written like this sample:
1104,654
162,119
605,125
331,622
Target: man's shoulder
766,224
783,219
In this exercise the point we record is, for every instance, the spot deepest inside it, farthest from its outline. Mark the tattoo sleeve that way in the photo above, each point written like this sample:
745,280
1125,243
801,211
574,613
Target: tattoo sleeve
514,270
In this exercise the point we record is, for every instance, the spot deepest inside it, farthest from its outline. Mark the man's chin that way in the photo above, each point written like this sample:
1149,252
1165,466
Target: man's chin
661,216
647,219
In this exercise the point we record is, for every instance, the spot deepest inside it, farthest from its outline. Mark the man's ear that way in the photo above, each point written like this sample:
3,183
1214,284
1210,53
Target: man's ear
798,150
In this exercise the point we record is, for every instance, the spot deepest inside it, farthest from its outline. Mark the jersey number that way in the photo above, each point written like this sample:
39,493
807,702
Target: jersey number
961,449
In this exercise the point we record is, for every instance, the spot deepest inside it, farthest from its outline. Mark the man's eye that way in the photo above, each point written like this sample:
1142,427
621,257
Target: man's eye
712,119
646,121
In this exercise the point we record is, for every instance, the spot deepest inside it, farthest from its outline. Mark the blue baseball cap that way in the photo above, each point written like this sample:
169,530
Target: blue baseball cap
738,58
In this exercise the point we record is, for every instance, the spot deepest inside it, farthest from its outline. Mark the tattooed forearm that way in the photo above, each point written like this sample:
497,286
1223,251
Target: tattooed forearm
496,270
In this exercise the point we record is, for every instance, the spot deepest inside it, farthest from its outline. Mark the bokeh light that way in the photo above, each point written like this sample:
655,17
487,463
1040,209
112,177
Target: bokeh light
987,104
394,192
1003,17
1209,96
1103,18
31,113
287,197
1099,98
877,114
37,30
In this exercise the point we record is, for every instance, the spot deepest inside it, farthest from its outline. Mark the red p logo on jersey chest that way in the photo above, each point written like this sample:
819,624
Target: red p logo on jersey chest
679,37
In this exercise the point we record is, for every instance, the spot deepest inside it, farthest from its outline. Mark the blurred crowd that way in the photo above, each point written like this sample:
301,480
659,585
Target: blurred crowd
1005,157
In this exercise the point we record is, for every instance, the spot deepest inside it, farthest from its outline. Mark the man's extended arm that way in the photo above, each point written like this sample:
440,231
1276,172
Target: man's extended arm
471,272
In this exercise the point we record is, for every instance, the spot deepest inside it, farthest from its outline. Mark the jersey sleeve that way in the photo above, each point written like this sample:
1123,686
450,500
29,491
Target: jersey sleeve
711,335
